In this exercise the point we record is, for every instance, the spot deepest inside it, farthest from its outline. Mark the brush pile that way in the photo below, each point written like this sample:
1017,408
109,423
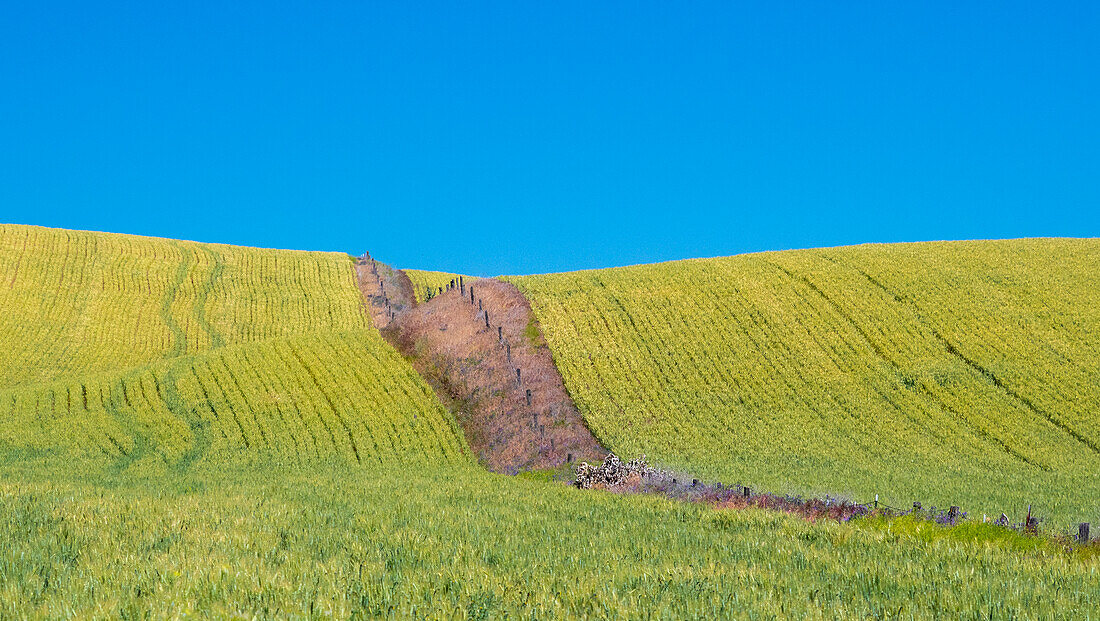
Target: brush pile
613,472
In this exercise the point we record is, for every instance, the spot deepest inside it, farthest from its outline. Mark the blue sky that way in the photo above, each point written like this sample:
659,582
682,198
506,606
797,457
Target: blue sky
525,137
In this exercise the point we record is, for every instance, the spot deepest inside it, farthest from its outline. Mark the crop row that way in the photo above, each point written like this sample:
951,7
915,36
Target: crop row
301,399
852,371
75,302
444,543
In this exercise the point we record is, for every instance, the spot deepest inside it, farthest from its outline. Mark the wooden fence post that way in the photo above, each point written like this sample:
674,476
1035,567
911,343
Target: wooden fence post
486,319
500,333
508,348
528,396
479,304
1083,532
471,294
748,491
518,380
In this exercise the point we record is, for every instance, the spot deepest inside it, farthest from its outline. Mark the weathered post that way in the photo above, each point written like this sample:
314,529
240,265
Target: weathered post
479,304
508,349
518,380
500,333
748,491
528,396
486,319
461,286
471,294
1083,532
568,458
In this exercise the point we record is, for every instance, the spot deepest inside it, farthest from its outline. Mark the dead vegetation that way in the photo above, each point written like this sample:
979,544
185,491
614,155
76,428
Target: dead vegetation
387,292
487,360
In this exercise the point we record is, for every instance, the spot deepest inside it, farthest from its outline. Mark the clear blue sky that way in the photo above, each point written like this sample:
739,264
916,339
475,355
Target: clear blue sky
527,137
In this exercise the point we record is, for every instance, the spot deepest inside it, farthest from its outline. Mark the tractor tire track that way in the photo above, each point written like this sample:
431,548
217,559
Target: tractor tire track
974,365
881,353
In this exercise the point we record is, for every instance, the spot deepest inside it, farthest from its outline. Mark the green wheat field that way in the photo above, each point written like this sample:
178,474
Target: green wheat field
195,430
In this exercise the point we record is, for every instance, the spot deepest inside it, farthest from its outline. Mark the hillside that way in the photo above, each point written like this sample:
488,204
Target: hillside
424,281
954,373
155,353
213,431
76,302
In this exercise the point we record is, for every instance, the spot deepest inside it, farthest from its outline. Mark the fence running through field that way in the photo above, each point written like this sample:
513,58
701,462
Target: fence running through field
1029,524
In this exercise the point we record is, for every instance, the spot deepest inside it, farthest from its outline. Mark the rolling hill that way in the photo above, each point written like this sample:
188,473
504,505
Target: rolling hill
150,352
953,373
214,431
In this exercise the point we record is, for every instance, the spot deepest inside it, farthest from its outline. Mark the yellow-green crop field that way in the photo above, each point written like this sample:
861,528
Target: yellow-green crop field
423,280
461,543
154,354
960,373
75,302
202,431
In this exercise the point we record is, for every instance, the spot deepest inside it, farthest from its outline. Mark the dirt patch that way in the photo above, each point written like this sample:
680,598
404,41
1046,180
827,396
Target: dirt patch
386,292
469,349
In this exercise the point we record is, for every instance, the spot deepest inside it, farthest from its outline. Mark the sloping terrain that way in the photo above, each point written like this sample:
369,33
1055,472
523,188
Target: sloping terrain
315,397
77,302
387,292
954,373
154,353
480,347
427,283
210,431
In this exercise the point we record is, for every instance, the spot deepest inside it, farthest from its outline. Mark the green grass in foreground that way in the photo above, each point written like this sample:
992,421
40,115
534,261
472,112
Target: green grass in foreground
461,543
